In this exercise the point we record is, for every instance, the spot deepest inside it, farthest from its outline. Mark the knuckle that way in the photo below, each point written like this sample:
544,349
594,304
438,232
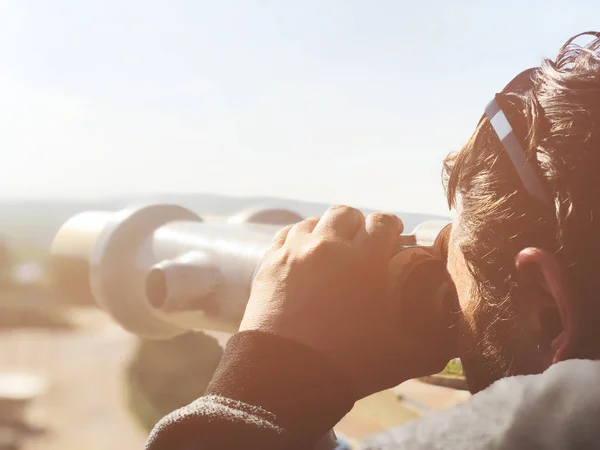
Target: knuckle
342,214
343,209
383,219
305,225
338,207
283,232
279,238
276,262
297,226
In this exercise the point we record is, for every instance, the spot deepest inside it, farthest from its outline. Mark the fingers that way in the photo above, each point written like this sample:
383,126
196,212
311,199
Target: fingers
377,230
280,237
306,226
340,221
380,230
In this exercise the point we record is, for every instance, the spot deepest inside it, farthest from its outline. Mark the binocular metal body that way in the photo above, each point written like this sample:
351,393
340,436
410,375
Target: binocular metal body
161,270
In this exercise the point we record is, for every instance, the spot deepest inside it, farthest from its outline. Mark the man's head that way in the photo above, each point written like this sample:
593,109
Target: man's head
528,273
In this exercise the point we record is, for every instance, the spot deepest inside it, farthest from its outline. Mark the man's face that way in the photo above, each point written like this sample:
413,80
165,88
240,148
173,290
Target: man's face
489,346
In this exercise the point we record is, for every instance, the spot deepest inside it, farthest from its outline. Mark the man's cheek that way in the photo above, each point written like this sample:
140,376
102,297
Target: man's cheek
462,282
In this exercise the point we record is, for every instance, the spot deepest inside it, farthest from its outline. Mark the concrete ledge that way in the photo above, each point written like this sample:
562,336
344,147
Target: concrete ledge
429,397
449,382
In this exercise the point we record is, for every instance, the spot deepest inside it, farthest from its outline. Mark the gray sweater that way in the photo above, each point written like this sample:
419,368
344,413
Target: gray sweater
269,393
559,409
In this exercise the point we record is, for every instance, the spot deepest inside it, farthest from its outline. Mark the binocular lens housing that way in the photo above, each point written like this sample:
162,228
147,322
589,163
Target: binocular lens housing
161,270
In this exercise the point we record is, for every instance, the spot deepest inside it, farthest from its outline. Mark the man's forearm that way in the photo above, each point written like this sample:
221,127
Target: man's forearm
267,393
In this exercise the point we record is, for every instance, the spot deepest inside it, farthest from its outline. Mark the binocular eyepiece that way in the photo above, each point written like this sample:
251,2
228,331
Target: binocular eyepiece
160,270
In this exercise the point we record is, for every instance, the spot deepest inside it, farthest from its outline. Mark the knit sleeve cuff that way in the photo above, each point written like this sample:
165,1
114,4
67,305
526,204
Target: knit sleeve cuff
304,391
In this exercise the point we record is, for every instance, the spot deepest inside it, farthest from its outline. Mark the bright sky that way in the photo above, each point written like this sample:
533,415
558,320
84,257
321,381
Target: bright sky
341,101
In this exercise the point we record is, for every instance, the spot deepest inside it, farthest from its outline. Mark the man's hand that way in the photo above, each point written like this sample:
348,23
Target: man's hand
323,284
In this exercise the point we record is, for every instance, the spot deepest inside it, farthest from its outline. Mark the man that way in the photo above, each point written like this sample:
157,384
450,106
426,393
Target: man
523,255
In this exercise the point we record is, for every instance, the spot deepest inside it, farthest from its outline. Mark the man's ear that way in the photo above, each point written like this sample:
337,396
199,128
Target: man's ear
552,304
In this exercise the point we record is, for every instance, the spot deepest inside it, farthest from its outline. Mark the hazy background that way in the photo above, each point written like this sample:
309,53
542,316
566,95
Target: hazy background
335,101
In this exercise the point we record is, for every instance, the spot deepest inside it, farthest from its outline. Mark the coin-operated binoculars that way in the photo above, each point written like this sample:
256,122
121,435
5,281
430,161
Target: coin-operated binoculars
161,270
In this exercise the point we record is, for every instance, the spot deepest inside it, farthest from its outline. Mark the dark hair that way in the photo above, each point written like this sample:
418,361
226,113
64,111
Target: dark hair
556,115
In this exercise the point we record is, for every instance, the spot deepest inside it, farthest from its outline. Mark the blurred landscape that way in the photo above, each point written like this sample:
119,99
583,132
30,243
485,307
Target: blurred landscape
32,224
71,378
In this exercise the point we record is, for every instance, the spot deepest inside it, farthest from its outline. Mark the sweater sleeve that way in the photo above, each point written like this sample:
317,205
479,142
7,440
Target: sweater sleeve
267,393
